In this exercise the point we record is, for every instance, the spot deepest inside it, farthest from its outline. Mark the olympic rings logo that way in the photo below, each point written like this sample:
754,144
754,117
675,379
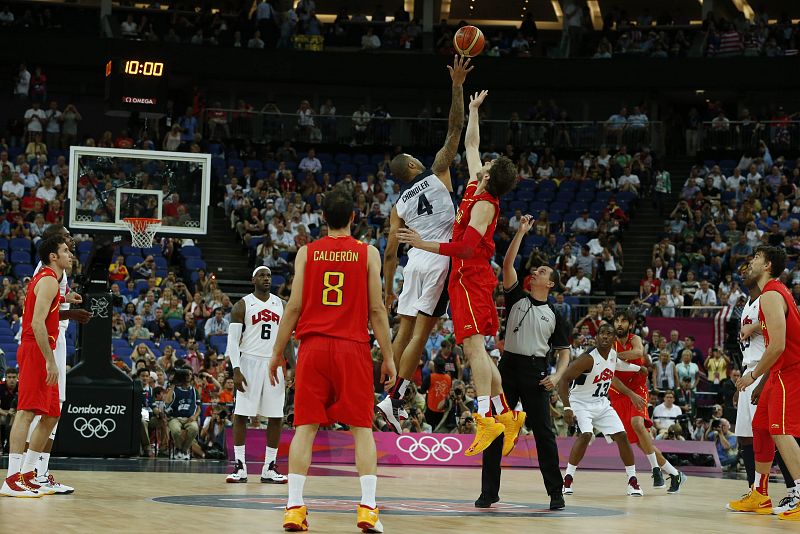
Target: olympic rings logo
427,447
94,427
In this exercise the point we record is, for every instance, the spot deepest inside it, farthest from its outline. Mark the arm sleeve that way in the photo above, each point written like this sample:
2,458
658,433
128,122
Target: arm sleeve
622,365
464,249
234,335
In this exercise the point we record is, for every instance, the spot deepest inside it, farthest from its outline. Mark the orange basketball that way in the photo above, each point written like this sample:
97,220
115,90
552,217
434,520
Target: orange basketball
468,41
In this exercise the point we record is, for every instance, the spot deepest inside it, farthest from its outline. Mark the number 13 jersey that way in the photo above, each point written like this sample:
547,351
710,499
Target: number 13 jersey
261,320
425,207
593,385
335,295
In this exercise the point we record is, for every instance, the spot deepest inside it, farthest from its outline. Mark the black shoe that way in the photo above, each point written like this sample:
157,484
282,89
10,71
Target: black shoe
557,501
675,483
658,478
485,502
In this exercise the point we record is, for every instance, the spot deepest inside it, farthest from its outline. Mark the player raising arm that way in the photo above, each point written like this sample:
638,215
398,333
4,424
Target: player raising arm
472,283
425,206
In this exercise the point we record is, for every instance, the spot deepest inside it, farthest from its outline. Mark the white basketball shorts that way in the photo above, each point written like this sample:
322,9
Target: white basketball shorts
260,397
745,411
599,415
424,286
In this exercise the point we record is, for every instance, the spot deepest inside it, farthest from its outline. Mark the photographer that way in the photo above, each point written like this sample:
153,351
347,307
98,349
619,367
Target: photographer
466,423
416,422
158,421
453,405
725,441
213,433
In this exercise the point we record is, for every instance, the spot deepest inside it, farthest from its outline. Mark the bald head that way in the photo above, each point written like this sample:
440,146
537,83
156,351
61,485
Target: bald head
405,167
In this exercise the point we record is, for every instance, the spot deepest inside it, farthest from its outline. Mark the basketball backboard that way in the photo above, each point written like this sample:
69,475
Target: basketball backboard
107,185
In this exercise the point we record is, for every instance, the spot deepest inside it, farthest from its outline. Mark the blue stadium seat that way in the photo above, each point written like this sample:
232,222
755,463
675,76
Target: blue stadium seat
171,342
175,324
191,252
130,251
254,164
526,185
152,251
546,195
19,256
20,243
557,207
7,338
277,280
588,185
565,196
161,262
21,271
527,196
360,159
585,196
83,246
130,261
325,157
220,343
9,348
568,185
140,285
193,264
536,206
342,158
518,205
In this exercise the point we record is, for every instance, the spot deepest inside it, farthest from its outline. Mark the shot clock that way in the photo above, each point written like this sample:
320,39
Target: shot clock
136,84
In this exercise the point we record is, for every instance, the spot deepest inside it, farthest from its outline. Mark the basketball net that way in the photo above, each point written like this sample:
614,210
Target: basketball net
143,230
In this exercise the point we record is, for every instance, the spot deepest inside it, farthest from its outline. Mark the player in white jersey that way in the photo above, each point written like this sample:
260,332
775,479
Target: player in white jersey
753,346
587,402
43,476
425,206
251,335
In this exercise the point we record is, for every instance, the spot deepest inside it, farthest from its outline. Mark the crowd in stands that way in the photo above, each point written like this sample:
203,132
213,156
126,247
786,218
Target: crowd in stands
266,25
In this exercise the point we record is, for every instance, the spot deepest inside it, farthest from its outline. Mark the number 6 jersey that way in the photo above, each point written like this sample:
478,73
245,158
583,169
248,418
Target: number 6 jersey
260,325
335,295
425,207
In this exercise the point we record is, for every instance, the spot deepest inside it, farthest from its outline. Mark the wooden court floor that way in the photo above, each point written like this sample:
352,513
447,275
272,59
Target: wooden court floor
415,500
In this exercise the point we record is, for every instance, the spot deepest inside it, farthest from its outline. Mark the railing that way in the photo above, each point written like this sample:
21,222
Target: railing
265,126
747,136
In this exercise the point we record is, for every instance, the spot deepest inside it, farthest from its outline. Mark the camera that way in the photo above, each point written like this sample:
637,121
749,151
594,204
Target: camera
715,424
412,412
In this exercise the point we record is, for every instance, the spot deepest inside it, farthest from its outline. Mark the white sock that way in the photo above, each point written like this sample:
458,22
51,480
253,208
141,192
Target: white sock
757,480
270,456
484,407
652,459
296,483
401,389
238,453
368,485
571,469
498,404
14,464
668,468
43,463
29,463
630,471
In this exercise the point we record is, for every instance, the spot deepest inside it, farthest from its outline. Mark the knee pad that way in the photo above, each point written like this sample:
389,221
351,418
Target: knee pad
763,446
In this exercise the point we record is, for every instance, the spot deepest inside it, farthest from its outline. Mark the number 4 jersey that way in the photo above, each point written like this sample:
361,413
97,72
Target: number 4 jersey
261,320
425,207
335,296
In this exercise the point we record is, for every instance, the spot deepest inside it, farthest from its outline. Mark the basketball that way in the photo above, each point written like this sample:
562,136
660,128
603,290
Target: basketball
469,41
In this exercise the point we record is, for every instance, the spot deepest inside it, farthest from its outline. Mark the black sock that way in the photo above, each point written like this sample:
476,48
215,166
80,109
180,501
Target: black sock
749,463
395,393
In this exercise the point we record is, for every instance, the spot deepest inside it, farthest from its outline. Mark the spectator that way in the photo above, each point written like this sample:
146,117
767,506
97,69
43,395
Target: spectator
665,375
584,224
217,325
370,41
53,120
725,441
8,403
22,83
665,414
438,392
716,368
138,331
129,28
687,369
578,285
184,411
255,41
35,119
686,398
310,163
144,269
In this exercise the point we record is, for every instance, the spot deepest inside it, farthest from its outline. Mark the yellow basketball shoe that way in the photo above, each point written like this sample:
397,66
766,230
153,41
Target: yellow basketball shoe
368,519
488,430
513,421
753,502
294,519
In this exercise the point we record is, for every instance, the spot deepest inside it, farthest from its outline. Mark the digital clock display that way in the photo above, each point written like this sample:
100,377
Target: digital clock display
143,68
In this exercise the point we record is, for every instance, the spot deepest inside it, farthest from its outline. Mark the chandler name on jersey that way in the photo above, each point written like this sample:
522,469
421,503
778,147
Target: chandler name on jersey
261,321
425,207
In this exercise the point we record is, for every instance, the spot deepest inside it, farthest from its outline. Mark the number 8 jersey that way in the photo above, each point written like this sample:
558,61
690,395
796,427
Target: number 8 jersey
592,386
260,325
425,207
335,295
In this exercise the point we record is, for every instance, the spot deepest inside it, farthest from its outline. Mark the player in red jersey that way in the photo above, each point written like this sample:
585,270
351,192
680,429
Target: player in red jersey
778,411
628,396
38,371
472,282
336,291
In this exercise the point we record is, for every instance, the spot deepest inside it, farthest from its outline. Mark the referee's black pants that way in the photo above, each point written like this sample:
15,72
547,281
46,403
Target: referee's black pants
521,376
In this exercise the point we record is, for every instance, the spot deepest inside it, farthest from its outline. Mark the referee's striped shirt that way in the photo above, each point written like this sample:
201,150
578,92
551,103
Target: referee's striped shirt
533,327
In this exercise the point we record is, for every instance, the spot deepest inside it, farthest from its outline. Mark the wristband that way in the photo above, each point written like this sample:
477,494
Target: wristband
753,376
464,249
569,408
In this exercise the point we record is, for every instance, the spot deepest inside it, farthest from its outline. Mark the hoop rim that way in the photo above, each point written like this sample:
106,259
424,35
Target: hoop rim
141,219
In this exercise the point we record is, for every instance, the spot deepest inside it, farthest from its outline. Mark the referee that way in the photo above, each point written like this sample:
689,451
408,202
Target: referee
533,329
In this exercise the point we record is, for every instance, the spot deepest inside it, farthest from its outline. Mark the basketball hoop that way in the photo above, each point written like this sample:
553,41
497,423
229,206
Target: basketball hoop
143,230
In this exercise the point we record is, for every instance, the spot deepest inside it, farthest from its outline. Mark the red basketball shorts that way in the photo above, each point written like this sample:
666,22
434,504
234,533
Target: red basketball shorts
471,289
778,408
334,382
34,395
623,405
